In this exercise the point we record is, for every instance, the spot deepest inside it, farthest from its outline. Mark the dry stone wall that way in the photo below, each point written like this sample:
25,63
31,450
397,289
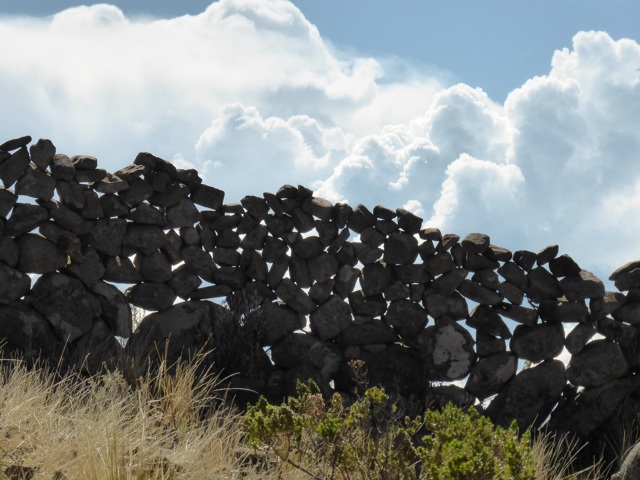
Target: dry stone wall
326,283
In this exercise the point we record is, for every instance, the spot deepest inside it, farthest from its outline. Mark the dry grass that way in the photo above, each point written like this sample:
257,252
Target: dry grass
555,455
160,427
103,428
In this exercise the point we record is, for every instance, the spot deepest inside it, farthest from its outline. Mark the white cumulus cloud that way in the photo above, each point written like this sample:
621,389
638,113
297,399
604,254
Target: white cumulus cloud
295,150
132,84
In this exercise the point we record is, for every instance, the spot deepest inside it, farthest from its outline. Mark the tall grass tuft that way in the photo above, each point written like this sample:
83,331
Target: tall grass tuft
556,455
163,427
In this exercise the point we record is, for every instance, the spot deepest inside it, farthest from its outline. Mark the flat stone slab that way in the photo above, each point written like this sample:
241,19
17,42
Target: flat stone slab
295,297
151,296
479,294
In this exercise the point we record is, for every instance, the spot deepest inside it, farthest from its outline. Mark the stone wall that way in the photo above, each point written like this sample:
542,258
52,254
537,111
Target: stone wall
313,286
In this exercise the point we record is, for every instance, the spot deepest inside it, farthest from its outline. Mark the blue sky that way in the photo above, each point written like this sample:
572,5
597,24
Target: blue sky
516,119
496,45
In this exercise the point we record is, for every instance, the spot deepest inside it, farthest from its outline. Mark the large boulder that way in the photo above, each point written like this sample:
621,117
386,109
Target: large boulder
25,218
477,293
582,286
26,330
538,342
331,318
96,350
490,374
530,396
276,321
13,284
486,320
151,296
400,248
627,276
447,351
406,317
542,285
39,255
293,349
89,269
597,363
375,277
66,304
178,332
295,297
202,328
593,407
108,234
438,305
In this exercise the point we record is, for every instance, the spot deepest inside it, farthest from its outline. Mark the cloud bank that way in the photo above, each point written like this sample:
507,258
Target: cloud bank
251,94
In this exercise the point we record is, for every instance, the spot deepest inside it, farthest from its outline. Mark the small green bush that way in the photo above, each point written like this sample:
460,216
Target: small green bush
466,446
370,440
364,440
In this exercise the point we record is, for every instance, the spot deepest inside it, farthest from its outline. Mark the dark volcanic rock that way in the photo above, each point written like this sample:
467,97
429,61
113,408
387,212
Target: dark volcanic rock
490,374
39,255
582,286
151,296
66,304
447,352
529,397
14,167
486,320
476,243
14,284
23,328
406,317
597,363
538,342
282,260
15,143
331,318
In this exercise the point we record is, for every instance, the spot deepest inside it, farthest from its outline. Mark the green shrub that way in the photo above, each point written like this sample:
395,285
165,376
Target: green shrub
466,446
332,441
370,440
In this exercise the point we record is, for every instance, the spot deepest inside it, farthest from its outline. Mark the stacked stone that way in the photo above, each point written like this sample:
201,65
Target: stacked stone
372,285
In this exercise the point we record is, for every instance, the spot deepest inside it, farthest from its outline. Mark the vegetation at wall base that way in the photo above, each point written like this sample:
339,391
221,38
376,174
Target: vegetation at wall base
174,424
371,440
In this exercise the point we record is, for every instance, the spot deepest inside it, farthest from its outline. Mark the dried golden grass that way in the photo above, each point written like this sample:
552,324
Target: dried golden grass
103,428
555,456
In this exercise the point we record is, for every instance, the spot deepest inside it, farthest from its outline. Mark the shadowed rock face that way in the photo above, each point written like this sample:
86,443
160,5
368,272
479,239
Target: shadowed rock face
372,285
630,469
530,396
